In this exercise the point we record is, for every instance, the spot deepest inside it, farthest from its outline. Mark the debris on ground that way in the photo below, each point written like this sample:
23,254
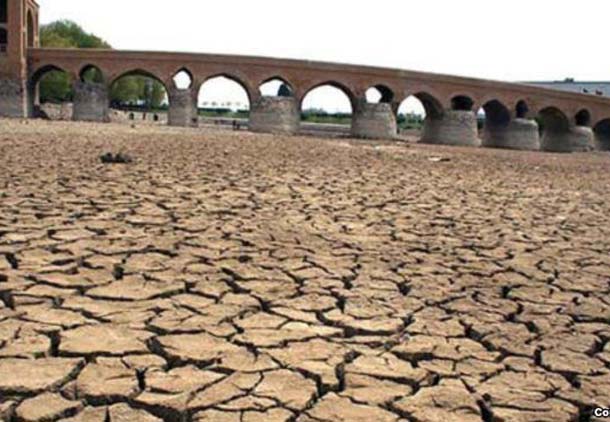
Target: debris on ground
439,159
119,158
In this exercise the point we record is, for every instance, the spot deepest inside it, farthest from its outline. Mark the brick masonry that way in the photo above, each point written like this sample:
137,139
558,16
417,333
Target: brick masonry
374,121
575,139
182,108
90,102
275,115
454,127
522,134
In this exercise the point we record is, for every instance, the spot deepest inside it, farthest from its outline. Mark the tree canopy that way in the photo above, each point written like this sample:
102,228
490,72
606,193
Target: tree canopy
55,86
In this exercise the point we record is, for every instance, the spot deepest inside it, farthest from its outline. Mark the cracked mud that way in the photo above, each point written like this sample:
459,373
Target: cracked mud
233,277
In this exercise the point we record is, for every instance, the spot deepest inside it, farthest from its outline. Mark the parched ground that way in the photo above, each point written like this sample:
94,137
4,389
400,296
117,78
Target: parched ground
232,277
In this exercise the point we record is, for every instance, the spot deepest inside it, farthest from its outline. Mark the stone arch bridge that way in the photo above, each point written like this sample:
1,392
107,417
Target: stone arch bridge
568,121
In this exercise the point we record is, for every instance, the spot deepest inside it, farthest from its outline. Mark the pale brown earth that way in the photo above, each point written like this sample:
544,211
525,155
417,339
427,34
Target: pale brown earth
233,277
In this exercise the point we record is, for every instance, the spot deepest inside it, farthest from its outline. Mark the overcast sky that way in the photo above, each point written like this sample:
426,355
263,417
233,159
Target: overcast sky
505,40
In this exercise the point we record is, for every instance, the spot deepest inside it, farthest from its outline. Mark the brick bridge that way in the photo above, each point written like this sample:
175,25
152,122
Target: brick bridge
569,121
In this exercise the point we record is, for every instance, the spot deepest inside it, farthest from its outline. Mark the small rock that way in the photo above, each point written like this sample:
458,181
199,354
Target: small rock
119,158
439,159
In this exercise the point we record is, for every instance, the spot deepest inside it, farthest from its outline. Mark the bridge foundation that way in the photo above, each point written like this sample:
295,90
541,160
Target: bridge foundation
90,102
521,134
374,121
182,108
453,127
275,115
575,139
12,98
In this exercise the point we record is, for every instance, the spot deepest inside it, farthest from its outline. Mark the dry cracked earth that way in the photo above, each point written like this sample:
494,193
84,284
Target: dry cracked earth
232,277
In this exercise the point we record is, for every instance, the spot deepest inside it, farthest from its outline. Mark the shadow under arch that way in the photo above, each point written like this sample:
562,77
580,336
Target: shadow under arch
554,129
462,103
91,73
553,120
602,134
432,105
583,117
385,93
522,109
496,114
285,88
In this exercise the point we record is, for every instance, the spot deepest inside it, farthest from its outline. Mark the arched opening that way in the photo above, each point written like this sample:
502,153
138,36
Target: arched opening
554,127
327,107
3,24
583,118
276,87
413,113
379,94
3,11
183,79
462,103
91,74
522,110
3,40
552,120
139,90
492,115
602,135
30,30
49,93
410,118
224,99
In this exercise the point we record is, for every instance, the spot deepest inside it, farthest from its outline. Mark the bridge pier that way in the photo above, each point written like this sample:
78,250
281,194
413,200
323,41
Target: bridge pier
374,121
574,139
182,108
452,127
12,98
520,134
275,115
90,102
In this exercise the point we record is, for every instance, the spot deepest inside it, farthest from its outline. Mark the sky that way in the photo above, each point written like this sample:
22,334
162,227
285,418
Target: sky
513,40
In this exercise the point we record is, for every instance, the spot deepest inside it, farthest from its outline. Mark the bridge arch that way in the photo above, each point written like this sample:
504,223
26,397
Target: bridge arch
182,79
583,117
379,93
462,102
552,119
226,83
48,83
91,73
275,86
136,72
522,109
496,114
349,93
138,88
327,102
415,109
